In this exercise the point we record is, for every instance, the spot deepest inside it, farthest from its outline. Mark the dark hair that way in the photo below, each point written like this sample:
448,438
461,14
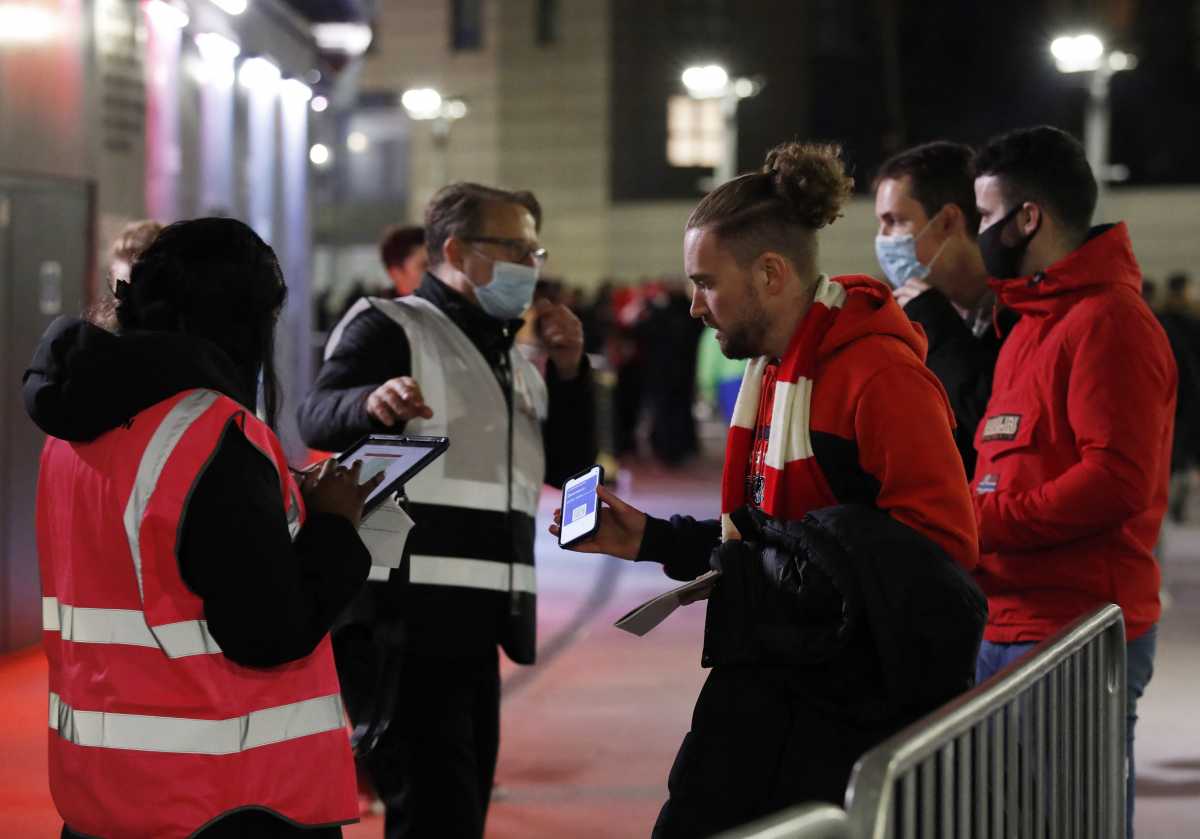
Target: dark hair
216,279
1178,282
398,243
457,210
940,173
1046,166
802,187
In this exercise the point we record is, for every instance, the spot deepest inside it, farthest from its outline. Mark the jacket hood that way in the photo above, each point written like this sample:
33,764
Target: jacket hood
870,310
1105,259
84,380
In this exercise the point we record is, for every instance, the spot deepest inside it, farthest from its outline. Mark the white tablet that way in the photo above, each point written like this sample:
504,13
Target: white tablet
398,457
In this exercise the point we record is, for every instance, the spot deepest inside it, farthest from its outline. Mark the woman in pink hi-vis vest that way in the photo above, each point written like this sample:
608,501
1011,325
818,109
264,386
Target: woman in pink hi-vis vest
189,582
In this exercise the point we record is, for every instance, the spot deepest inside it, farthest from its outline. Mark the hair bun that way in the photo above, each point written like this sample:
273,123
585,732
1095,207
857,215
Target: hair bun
811,179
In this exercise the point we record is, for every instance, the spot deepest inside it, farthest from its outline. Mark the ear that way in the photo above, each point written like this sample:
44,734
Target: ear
1030,218
951,220
454,253
773,269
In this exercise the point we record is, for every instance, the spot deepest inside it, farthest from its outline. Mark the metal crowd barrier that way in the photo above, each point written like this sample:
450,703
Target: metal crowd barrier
1036,751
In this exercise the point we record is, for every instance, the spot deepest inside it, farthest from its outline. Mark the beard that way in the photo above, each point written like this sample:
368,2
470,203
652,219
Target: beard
743,338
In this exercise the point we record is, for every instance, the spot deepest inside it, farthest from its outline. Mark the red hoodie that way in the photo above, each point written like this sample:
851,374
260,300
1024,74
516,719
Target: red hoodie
1074,450
881,424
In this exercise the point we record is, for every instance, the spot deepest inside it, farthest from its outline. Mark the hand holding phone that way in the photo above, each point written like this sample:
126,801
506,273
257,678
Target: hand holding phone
618,531
581,506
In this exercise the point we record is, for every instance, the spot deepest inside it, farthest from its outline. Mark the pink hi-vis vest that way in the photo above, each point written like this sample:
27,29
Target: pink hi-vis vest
153,731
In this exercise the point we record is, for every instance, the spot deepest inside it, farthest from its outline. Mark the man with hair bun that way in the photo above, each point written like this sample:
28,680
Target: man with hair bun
843,608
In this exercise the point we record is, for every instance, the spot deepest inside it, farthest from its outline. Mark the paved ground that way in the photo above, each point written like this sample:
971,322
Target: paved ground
590,733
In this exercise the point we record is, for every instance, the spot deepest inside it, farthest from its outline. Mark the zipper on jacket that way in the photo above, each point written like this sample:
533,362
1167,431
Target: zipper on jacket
514,597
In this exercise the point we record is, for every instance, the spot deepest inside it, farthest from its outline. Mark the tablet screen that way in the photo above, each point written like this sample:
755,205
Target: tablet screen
398,458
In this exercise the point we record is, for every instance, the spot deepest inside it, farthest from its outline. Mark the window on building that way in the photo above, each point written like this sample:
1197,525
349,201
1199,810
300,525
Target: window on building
466,24
695,133
546,25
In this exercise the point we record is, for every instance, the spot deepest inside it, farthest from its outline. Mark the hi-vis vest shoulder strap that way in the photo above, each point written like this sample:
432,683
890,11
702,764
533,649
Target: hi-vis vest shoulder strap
469,408
138,685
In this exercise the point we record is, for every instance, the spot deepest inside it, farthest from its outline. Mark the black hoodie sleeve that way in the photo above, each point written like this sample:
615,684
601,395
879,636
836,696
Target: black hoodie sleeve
683,545
569,432
267,600
371,350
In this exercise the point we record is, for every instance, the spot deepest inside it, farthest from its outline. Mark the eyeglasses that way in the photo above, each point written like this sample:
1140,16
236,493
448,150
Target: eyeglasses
519,248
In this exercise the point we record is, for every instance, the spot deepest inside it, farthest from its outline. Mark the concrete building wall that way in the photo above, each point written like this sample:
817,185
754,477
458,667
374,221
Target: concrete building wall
412,49
554,129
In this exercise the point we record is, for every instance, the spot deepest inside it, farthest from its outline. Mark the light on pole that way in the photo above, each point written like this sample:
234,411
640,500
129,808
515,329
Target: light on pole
1086,53
712,81
427,104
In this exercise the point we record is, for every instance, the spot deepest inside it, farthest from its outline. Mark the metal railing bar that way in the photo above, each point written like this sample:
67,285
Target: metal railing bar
908,803
812,821
1038,764
946,785
963,824
1077,746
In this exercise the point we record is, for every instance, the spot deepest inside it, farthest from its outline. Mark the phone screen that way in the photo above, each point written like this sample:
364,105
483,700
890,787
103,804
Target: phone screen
580,506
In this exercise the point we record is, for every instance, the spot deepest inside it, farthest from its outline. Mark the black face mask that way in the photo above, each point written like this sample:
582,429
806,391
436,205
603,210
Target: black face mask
1002,261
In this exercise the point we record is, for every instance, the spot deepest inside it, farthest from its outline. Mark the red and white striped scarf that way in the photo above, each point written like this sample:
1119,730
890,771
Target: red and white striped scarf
793,480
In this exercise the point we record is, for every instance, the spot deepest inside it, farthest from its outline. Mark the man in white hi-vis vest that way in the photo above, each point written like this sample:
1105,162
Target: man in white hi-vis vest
418,651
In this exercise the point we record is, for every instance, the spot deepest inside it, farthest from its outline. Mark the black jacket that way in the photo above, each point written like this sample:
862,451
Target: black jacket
436,620
962,362
268,600
882,622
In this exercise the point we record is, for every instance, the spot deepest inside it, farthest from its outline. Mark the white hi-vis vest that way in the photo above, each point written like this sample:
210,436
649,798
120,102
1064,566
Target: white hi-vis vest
474,474
153,731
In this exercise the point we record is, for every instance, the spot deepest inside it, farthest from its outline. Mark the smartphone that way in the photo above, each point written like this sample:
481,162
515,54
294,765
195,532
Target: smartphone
580,506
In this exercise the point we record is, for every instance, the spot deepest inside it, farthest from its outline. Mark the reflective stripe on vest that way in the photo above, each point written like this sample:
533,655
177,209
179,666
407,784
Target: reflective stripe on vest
139,687
87,625
466,573
166,437
184,735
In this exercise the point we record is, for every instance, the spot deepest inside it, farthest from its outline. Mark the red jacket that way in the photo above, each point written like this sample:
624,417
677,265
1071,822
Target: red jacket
882,426
1074,449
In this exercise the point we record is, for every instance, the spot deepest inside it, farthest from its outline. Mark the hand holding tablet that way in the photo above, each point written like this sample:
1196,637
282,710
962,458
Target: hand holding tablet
331,488
397,458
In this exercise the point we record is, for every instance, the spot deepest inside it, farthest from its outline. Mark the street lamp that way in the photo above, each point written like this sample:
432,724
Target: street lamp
712,81
1086,53
428,105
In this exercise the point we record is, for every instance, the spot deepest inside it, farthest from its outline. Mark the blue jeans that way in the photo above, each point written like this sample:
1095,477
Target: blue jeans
1139,667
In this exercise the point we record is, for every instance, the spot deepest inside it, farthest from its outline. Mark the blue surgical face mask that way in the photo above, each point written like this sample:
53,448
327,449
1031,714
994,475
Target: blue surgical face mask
510,292
897,257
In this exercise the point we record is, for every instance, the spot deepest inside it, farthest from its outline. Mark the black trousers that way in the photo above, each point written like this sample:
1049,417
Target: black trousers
757,746
434,765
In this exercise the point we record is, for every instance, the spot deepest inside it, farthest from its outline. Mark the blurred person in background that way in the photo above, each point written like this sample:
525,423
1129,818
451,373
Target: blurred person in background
669,338
402,252
1075,448
134,238
843,609
718,378
418,651
188,582
925,205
